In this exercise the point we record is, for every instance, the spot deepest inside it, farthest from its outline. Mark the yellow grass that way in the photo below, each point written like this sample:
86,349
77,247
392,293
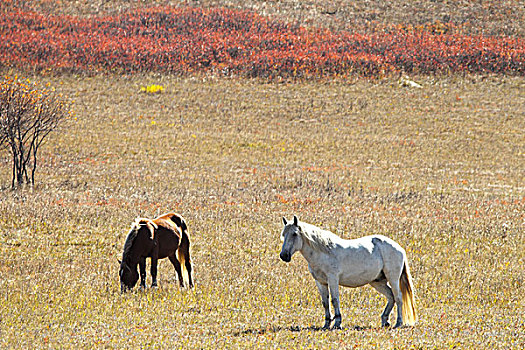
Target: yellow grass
438,169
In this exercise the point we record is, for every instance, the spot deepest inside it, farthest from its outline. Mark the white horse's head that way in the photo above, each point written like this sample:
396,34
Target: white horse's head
292,239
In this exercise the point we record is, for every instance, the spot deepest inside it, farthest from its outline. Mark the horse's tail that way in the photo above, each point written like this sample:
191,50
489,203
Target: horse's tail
183,254
407,291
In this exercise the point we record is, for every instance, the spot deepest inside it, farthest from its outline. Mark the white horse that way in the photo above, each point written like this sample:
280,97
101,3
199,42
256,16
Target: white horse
333,261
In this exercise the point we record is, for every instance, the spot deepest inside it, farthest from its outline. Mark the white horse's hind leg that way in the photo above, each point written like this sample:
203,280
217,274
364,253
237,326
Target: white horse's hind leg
325,298
383,288
393,266
396,291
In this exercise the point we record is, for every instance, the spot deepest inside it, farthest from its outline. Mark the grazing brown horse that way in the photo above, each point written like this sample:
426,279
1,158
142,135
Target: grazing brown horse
165,236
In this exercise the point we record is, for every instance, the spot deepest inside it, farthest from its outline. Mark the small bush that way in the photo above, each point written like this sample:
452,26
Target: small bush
27,116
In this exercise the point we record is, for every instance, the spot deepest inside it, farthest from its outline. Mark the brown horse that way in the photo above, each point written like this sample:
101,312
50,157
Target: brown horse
165,236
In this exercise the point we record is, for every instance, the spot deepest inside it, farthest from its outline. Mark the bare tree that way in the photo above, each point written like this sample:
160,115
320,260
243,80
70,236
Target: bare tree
27,116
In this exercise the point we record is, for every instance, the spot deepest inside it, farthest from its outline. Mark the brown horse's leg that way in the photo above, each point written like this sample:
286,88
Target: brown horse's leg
142,267
177,266
154,261
188,268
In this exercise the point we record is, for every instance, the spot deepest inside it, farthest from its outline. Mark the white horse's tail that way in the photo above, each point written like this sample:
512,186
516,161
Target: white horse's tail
407,291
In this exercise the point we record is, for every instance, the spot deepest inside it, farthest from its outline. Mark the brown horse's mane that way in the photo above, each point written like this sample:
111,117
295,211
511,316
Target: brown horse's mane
128,244
130,239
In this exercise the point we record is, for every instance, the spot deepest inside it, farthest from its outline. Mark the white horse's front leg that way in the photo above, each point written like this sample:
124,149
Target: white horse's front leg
333,284
323,290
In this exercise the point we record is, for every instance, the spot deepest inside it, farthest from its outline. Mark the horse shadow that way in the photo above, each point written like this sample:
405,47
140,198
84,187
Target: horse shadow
277,329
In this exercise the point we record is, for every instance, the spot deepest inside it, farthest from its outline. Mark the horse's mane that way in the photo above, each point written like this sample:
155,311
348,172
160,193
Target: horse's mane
132,235
128,244
317,238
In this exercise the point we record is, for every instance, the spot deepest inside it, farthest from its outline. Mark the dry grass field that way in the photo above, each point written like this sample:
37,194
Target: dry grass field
439,169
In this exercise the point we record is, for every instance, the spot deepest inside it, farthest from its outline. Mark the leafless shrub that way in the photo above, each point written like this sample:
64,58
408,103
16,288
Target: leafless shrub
27,116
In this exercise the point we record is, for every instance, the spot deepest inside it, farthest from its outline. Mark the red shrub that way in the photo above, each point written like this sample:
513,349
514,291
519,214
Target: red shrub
185,40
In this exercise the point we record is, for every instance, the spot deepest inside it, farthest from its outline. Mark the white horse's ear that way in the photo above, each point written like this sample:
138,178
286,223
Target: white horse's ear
284,221
295,221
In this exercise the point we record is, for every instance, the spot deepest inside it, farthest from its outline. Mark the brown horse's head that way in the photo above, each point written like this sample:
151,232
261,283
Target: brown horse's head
141,230
128,276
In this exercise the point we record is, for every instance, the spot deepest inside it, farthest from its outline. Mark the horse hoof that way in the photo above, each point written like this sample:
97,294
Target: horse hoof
385,325
337,327
399,325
